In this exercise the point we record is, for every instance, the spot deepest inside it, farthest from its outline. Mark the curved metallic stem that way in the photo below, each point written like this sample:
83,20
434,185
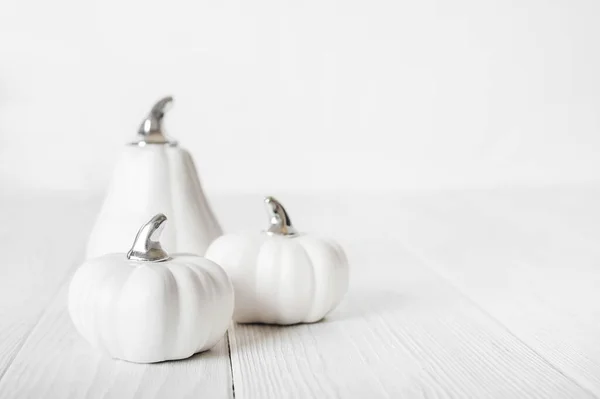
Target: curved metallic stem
146,247
158,111
280,222
151,130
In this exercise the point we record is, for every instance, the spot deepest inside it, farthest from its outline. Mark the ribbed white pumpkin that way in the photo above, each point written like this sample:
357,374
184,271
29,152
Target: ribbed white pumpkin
280,276
154,175
150,311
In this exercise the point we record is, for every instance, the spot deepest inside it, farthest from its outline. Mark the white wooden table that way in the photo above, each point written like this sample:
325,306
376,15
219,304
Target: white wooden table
453,294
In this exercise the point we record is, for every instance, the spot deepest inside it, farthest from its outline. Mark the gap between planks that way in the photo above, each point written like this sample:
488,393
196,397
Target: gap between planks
402,332
230,363
57,362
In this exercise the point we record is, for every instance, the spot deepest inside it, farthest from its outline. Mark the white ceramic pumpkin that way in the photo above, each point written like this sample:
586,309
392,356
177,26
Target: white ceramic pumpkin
146,306
154,174
281,276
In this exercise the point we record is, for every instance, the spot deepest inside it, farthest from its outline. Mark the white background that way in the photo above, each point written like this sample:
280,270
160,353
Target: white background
274,95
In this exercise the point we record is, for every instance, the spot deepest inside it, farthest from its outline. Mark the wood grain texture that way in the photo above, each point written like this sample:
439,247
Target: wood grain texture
41,240
56,362
530,258
402,332
453,294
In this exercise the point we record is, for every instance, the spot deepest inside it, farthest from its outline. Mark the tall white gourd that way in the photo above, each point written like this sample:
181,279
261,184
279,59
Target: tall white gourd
154,175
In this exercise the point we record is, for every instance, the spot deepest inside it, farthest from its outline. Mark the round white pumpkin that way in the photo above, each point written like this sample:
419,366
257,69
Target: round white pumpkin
146,306
281,276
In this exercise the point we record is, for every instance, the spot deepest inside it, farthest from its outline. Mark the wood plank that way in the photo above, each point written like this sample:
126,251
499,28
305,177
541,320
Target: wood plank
529,258
528,261
56,362
401,332
41,240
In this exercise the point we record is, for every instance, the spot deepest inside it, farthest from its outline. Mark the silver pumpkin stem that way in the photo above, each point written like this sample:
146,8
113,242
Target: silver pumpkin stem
151,130
280,223
146,247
